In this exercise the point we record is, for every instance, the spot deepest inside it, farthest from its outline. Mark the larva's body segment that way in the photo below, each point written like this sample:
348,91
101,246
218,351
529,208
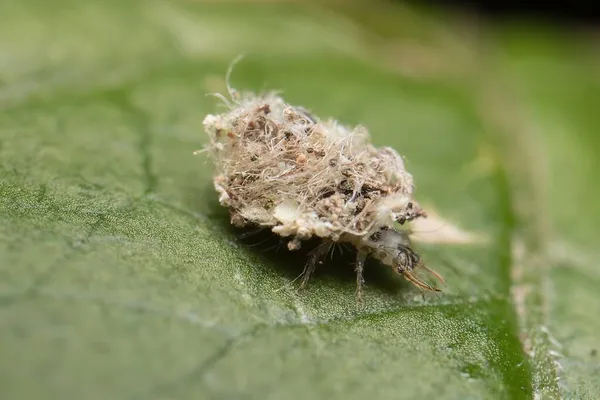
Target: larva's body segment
279,167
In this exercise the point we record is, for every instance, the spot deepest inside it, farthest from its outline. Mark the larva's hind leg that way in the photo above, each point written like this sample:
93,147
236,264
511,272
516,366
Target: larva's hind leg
361,257
313,258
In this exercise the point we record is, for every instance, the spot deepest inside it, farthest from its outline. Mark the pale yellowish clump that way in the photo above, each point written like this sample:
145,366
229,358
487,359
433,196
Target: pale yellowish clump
282,168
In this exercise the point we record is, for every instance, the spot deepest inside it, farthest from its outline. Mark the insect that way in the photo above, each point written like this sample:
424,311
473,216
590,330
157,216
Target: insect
282,168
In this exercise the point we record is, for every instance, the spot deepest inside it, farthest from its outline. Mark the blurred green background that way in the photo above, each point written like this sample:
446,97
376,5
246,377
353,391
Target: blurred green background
120,277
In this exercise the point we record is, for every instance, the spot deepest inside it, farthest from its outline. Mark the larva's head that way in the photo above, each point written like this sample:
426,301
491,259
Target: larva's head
392,248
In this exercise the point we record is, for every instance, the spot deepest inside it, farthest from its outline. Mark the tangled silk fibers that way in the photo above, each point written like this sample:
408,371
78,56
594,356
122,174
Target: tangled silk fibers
280,167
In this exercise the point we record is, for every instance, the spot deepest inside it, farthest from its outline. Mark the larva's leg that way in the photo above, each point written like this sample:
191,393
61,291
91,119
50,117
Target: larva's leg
361,257
313,258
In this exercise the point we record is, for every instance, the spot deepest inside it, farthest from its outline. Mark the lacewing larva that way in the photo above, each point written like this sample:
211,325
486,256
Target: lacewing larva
282,168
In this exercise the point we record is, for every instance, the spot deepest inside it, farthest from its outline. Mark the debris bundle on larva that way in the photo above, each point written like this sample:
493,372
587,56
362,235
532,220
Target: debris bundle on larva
282,168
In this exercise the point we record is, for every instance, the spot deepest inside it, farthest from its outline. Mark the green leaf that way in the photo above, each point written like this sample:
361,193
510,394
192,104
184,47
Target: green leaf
120,276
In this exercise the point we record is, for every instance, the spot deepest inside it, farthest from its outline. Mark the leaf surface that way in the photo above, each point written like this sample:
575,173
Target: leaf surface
120,276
